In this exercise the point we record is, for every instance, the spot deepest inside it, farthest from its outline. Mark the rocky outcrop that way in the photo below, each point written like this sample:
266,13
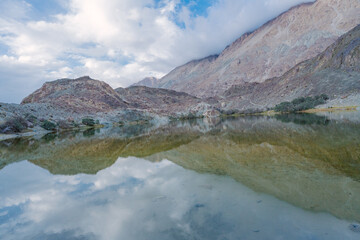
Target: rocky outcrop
81,95
88,96
157,99
299,34
335,72
67,102
147,82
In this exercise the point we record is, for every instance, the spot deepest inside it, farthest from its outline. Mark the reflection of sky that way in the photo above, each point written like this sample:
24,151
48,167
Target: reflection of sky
137,199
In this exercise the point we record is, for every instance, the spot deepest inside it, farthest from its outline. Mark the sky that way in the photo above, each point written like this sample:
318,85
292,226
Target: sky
116,41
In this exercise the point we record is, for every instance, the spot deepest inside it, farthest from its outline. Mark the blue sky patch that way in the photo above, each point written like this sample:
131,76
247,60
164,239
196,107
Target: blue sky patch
4,49
198,7
45,10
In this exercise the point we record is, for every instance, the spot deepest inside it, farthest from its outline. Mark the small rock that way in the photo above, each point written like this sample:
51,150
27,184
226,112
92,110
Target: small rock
199,205
30,124
355,227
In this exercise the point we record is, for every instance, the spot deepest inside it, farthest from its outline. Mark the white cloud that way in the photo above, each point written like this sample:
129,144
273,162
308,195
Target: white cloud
119,42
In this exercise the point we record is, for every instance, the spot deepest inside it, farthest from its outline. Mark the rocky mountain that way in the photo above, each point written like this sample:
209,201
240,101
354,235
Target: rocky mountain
335,72
162,100
147,82
74,98
299,34
79,95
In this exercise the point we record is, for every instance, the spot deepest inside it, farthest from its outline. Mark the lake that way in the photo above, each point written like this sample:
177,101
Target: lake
281,177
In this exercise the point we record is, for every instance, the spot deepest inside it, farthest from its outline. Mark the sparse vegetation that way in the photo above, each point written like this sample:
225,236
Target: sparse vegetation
236,112
188,116
230,112
31,118
88,122
47,125
301,104
49,137
14,125
74,124
64,124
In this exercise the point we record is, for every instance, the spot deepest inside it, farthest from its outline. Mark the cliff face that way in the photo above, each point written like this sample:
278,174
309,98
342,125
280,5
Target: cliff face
79,95
297,35
335,72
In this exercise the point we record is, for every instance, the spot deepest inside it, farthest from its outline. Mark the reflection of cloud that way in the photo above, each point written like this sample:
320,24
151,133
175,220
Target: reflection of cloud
137,199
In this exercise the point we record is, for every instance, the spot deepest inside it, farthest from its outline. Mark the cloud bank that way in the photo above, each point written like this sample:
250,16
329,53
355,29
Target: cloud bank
119,42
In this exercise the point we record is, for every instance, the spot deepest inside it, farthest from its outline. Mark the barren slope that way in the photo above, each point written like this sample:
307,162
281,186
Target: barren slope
296,35
156,98
81,95
335,72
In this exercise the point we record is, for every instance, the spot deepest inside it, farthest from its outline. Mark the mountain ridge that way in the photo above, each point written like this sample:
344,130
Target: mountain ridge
268,51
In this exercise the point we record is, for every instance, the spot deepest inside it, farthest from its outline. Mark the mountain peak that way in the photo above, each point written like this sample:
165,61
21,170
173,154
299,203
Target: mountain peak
147,82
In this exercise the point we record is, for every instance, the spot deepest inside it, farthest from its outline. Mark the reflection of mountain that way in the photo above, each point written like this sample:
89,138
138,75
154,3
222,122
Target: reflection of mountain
303,119
315,166
74,153
310,166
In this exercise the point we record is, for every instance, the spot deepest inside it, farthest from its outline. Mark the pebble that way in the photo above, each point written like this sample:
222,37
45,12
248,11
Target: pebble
355,227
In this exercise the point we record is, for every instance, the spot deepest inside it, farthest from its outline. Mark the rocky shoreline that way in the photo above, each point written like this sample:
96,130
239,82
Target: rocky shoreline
35,115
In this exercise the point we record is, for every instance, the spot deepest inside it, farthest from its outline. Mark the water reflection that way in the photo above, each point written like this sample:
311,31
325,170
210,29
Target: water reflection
311,162
303,119
137,199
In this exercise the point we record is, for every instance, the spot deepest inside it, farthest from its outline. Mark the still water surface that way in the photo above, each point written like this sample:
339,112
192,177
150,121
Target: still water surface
290,177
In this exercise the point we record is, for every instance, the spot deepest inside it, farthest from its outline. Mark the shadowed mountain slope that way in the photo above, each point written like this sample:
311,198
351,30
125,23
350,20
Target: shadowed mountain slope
156,98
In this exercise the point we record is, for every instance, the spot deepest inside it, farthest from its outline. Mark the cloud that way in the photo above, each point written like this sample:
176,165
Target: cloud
119,42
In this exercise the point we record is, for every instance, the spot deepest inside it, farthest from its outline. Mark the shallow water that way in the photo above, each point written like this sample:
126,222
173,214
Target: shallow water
290,177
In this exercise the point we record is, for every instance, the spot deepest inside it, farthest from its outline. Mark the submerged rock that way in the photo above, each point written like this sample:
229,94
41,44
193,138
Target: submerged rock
355,227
